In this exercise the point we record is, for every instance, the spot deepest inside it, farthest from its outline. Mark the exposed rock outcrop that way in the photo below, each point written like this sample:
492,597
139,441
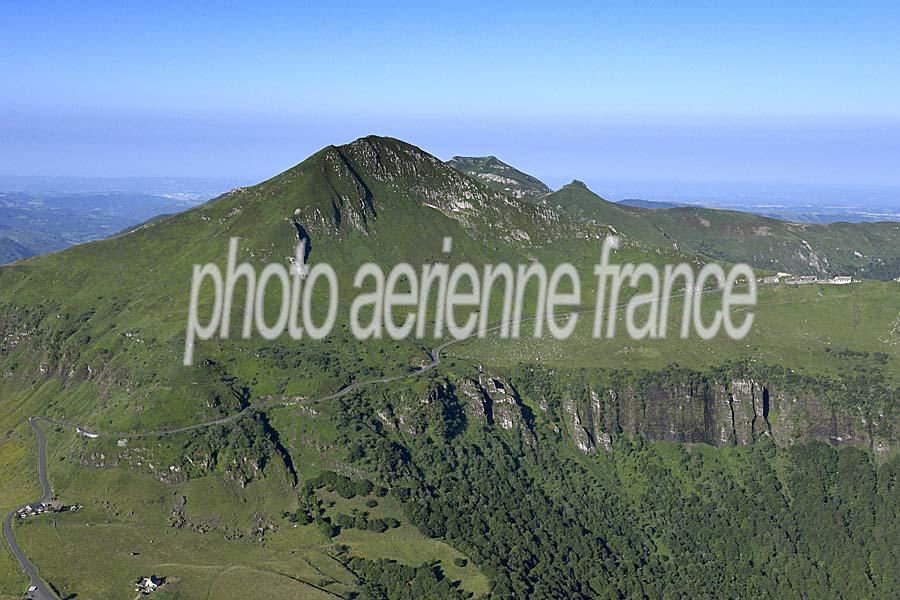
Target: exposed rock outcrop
733,412
488,400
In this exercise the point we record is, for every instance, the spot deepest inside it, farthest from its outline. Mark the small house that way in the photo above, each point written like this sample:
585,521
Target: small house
147,585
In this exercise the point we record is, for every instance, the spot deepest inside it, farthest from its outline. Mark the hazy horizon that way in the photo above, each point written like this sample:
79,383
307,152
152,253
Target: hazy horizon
800,94
786,200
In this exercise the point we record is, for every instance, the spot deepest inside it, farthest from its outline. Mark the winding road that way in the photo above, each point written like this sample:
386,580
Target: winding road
42,592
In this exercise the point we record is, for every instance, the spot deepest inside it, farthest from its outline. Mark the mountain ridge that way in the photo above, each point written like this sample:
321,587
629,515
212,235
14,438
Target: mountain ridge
501,176
859,249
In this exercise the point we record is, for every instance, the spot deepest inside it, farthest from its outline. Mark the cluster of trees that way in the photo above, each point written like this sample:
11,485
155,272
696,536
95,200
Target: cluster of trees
312,509
363,521
387,579
343,485
883,268
661,522
241,451
335,360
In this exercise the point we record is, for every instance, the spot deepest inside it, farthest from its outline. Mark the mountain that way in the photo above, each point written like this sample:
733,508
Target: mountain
860,249
512,468
575,198
498,175
374,199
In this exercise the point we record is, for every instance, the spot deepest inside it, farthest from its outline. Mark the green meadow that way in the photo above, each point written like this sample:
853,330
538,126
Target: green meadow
794,327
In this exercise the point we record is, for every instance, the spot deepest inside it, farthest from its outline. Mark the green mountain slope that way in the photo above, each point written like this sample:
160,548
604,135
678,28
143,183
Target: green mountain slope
869,250
576,200
498,175
515,468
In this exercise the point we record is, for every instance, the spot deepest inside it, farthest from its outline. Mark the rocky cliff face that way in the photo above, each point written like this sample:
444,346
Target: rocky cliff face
737,411
485,400
688,407
491,400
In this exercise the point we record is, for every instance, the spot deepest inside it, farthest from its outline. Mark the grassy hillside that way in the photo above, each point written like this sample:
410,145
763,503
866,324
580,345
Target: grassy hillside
110,316
798,327
577,200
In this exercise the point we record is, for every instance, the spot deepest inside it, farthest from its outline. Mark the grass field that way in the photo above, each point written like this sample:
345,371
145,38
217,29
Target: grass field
793,327
124,531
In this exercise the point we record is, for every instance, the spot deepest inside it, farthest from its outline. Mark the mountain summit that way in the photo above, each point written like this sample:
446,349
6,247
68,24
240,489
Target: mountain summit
379,183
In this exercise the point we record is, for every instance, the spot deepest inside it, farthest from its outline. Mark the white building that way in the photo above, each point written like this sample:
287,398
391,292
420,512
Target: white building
147,585
87,434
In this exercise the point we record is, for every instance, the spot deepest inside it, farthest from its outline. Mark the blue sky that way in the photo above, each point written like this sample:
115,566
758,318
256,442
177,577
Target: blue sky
805,92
